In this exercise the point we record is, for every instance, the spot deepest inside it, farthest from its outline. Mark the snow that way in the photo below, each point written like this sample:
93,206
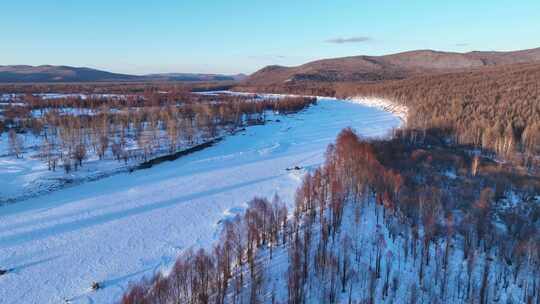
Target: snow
384,104
371,231
47,96
451,174
9,97
123,227
29,176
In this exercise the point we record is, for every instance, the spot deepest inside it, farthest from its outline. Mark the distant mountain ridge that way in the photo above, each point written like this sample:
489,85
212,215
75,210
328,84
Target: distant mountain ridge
196,77
346,69
388,67
50,73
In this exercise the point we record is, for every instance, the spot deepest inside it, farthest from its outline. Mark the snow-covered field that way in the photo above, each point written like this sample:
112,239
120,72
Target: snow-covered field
29,176
121,228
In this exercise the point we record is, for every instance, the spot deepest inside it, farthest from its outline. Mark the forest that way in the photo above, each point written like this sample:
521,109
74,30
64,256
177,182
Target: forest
447,210
497,108
66,129
411,218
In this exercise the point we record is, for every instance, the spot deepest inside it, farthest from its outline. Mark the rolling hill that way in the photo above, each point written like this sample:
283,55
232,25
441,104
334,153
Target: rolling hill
389,67
49,73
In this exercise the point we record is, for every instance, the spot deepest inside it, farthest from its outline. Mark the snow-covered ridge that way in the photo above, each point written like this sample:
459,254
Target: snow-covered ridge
387,105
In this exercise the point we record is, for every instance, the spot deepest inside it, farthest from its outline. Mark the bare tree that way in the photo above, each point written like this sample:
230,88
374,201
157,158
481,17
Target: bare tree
15,143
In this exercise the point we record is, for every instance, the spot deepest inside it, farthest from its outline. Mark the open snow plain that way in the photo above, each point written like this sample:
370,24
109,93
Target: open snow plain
121,228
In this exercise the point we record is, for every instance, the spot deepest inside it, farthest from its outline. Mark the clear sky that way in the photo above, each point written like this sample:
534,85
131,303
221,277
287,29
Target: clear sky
151,36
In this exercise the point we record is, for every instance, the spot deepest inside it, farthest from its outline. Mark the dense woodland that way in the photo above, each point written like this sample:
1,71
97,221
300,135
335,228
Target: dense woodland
436,236
497,108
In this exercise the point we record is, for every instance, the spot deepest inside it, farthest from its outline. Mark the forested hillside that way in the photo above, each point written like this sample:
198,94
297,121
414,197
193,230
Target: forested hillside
497,108
381,222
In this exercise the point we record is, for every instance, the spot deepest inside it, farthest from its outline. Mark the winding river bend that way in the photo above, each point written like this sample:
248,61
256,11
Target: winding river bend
121,228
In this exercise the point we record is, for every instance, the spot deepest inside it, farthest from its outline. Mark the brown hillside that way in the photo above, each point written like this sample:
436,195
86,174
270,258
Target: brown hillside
389,67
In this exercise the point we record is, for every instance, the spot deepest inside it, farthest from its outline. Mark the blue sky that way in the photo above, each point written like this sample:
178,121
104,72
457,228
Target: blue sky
139,36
